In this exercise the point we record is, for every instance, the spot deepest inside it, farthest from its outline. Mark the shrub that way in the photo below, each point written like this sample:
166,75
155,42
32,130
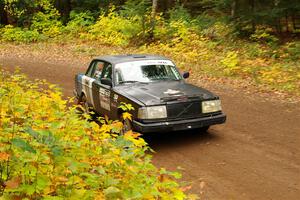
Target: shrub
204,21
179,13
49,152
230,62
292,51
115,30
47,23
140,10
16,34
177,28
263,34
218,31
79,23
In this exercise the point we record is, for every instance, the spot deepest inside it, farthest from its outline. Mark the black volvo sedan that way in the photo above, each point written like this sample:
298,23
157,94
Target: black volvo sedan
161,98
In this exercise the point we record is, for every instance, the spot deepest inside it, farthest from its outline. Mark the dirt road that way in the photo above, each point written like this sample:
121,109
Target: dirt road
255,155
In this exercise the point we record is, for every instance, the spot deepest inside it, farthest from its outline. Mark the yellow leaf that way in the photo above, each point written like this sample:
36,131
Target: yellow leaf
4,156
127,115
105,128
117,125
106,118
62,179
132,134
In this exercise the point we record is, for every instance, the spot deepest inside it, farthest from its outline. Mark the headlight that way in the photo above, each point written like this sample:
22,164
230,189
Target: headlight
153,112
211,106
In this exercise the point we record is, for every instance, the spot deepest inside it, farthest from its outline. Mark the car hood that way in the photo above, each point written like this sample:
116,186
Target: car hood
164,92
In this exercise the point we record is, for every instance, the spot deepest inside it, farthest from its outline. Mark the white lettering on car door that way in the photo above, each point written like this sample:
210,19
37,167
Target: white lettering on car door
87,83
91,91
104,98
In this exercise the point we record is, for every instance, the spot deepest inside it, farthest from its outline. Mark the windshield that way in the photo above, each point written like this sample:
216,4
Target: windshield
146,71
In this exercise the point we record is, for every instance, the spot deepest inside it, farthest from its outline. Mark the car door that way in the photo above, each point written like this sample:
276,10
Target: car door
104,94
87,83
99,65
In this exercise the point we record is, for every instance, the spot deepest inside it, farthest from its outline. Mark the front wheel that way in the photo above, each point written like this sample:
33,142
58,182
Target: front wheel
203,129
127,125
85,106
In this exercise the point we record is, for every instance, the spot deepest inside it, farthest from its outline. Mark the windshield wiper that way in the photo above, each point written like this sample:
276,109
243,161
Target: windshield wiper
165,79
129,81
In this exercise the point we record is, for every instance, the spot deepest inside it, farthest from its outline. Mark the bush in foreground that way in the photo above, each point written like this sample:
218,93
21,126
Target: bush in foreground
49,152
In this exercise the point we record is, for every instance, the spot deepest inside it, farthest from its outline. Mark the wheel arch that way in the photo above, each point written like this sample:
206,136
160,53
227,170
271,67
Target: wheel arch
82,93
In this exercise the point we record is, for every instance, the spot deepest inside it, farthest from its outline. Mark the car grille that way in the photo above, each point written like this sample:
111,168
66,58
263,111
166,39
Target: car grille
184,110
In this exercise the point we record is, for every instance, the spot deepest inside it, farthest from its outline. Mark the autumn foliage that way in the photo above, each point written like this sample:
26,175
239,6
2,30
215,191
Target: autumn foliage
212,49
49,151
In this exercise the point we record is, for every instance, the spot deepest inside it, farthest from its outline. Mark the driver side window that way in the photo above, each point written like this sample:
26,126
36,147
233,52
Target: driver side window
107,71
98,70
91,70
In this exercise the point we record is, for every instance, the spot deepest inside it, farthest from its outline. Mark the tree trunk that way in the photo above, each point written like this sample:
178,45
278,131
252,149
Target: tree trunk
165,5
278,26
295,20
252,7
287,22
233,8
64,8
153,15
3,13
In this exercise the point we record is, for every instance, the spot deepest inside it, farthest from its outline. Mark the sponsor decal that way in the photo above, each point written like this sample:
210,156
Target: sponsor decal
182,98
149,62
104,98
172,92
113,104
116,97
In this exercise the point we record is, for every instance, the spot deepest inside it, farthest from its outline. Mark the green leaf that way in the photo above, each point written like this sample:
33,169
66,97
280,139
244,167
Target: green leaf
110,181
31,132
57,125
42,182
56,151
176,175
112,192
28,189
22,144
52,198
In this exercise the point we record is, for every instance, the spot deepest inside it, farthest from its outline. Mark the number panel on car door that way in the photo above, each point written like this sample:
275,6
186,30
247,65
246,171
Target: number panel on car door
105,90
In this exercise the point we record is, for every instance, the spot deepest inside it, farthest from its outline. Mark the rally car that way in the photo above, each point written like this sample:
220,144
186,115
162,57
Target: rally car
153,85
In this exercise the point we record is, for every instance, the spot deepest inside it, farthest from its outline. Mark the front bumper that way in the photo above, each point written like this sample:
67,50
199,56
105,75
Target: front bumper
185,124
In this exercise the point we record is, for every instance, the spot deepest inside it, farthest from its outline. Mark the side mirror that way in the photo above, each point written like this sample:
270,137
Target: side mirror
106,81
185,75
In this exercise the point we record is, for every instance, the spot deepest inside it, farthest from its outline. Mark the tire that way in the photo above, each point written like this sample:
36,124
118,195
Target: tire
83,102
204,129
127,125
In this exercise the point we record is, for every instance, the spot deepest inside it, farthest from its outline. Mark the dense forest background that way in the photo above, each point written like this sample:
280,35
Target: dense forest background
282,16
249,39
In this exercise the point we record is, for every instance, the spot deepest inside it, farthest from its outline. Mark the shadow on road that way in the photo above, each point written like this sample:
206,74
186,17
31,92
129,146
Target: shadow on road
159,141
